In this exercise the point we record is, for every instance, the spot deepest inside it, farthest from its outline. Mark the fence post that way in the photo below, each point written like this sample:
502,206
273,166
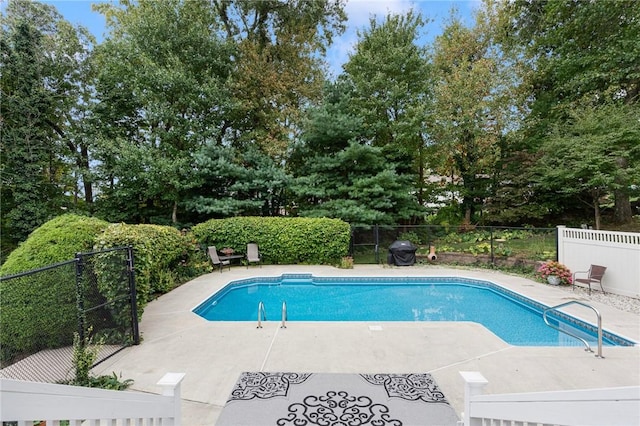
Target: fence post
493,262
559,244
351,245
376,238
133,297
80,298
170,383
474,382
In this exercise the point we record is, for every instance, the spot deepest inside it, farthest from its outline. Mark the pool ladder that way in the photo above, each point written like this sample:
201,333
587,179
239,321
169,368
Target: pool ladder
262,314
588,347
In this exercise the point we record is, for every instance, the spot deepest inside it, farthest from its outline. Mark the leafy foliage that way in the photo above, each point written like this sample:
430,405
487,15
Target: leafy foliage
157,249
356,185
38,312
338,174
472,110
277,66
85,352
196,109
554,268
84,356
391,80
55,241
573,58
593,154
232,182
281,240
43,77
161,86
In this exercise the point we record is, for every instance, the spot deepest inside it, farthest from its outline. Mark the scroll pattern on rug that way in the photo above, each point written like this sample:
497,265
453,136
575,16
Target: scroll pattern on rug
265,385
411,387
338,408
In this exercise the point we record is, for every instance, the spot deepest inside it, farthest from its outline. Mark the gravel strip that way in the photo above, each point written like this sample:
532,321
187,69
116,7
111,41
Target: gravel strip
624,303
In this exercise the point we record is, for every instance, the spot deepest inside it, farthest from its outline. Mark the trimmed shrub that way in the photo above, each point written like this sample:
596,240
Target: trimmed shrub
39,311
157,251
282,240
55,241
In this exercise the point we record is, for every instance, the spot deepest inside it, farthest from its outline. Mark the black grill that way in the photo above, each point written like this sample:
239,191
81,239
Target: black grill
402,253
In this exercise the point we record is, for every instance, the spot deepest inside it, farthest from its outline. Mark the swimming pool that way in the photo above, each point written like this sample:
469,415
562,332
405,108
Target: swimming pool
514,318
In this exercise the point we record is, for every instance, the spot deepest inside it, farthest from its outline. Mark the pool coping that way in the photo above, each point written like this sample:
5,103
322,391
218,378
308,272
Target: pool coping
483,283
213,355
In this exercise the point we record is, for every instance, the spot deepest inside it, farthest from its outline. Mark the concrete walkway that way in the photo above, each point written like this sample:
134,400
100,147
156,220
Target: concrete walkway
214,354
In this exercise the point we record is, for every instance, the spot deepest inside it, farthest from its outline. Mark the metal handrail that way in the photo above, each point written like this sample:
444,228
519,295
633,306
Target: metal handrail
588,347
284,314
262,314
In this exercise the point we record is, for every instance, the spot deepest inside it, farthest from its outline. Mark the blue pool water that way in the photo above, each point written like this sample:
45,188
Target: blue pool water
512,317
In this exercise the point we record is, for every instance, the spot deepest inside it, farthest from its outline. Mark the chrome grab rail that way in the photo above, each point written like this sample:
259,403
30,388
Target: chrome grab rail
284,314
262,315
588,347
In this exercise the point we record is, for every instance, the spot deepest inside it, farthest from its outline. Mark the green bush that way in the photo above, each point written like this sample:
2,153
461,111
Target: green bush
55,241
411,236
157,250
39,311
281,240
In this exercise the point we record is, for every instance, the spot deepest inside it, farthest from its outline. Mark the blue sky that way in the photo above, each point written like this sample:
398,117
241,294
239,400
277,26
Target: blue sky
358,12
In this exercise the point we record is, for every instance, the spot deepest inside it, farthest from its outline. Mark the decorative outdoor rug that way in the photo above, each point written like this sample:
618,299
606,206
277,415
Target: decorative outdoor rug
310,399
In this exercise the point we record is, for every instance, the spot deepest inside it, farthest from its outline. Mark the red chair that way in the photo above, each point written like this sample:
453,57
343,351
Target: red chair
594,275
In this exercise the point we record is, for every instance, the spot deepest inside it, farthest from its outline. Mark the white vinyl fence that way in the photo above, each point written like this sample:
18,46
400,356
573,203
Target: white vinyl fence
28,402
585,407
618,251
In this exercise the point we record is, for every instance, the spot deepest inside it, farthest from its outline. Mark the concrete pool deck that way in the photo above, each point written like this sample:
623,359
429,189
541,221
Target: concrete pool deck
214,354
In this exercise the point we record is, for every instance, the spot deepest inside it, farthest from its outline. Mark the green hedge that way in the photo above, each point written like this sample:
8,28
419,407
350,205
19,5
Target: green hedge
281,240
55,241
158,251
39,311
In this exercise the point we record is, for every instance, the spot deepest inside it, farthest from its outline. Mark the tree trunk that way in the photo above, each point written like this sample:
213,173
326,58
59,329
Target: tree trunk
467,216
174,213
622,210
622,207
596,210
88,183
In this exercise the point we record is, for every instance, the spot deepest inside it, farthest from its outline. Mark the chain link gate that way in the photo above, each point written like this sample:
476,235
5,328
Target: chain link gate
92,295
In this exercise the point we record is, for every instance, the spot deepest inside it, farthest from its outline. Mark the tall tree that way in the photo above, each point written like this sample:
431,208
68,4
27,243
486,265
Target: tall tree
42,79
392,86
277,66
574,55
582,156
339,174
162,90
471,108
234,182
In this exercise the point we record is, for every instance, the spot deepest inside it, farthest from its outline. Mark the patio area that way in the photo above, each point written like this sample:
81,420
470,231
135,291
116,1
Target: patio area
214,354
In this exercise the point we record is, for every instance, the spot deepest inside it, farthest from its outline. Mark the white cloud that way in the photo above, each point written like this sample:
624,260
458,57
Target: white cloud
358,14
360,11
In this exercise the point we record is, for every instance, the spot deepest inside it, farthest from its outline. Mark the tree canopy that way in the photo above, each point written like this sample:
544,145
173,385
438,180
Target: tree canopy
193,109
